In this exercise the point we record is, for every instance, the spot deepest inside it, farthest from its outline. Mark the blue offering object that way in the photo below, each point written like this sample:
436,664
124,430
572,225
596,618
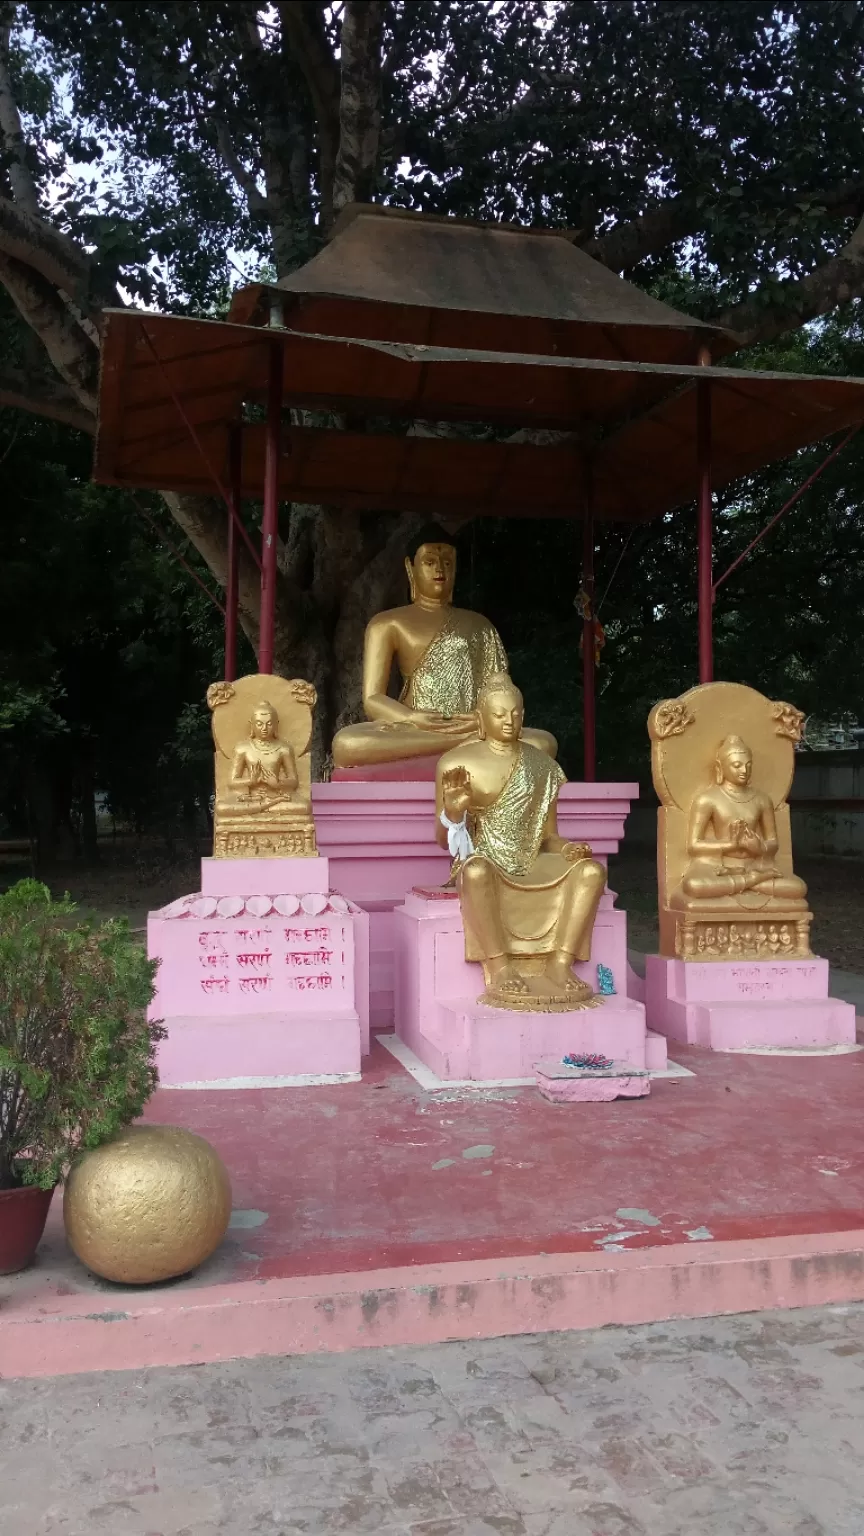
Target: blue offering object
605,981
589,1063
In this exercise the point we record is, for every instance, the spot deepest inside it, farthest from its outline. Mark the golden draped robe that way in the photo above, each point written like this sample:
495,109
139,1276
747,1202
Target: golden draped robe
533,886
449,675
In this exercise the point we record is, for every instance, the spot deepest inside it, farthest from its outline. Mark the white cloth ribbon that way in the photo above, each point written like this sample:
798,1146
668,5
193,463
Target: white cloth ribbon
459,842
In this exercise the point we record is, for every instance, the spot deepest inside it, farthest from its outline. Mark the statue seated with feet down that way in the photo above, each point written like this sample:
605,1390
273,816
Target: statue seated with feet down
529,898
443,654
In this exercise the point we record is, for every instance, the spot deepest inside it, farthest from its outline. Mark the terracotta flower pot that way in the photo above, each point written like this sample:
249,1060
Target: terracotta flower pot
23,1213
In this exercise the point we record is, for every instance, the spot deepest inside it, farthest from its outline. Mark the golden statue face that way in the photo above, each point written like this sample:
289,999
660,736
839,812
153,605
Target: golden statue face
433,571
736,764
264,722
501,715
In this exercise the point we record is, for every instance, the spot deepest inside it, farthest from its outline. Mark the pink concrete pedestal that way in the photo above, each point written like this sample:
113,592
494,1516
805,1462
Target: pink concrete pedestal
745,1004
261,989
380,839
439,1017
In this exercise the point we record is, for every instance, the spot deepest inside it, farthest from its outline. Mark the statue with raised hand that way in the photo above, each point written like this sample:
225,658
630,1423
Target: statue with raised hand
528,896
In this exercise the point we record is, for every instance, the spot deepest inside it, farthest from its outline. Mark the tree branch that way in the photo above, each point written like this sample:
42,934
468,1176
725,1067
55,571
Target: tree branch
20,176
304,32
360,102
624,246
31,239
792,304
42,395
256,202
74,356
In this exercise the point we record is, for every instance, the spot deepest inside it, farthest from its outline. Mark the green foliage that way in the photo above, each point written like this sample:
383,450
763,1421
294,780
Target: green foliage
583,113
106,647
77,1055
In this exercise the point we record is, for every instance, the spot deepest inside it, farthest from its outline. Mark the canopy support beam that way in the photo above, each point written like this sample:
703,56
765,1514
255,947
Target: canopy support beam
704,554
589,702
270,522
232,583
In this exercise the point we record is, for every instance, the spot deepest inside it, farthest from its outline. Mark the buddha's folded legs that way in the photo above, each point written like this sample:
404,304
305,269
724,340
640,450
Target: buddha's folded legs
373,741
725,883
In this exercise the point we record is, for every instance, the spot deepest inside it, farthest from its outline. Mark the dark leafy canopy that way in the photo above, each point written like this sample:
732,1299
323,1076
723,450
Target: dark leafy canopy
736,126
105,647
713,152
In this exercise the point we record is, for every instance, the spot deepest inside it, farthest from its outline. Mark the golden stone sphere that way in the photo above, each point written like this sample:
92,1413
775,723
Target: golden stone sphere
150,1204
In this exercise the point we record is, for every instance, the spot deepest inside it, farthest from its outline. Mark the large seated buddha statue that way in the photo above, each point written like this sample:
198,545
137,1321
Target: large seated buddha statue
723,758
528,896
443,655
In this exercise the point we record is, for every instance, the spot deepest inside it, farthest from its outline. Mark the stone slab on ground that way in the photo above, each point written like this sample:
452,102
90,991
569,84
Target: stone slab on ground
562,1084
745,1426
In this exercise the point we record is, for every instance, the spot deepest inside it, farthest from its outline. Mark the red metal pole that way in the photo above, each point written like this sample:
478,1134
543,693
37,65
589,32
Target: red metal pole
589,712
232,579
704,558
270,524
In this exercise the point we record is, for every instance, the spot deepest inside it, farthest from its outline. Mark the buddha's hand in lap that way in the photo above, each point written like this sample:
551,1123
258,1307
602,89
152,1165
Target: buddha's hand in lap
574,853
434,720
456,790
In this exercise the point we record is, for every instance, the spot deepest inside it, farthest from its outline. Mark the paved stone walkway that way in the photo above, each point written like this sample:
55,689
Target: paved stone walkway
746,1426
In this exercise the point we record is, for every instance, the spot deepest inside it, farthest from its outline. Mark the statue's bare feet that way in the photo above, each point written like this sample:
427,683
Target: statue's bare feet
563,980
505,978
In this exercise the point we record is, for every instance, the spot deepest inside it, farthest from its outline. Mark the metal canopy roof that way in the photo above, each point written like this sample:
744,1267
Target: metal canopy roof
392,275
637,420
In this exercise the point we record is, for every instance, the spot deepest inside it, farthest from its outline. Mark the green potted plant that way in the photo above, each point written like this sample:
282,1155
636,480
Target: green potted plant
77,1053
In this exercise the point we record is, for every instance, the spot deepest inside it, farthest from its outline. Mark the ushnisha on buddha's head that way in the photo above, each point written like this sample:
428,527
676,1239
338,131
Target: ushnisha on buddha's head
500,708
431,565
264,724
734,762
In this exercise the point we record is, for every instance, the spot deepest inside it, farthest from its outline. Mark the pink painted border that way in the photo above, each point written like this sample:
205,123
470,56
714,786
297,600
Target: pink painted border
428,1304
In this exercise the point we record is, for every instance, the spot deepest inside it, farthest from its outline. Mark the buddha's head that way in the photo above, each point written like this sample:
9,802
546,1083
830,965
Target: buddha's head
501,710
264,724
734,762
431,565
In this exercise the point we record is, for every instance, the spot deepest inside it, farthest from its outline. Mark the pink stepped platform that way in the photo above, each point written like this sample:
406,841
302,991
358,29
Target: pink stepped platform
746,1004
464,1215
257,989
379,836
439,1017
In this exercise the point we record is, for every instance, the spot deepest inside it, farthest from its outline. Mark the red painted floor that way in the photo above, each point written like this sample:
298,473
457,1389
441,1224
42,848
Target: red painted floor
380,1173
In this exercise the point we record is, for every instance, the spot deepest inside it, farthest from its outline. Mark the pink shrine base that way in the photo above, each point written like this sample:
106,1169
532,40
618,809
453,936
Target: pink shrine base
257,989
741,1005
439,1017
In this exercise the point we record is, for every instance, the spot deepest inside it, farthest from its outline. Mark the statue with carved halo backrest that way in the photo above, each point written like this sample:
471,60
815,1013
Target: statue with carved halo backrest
722,759
262,726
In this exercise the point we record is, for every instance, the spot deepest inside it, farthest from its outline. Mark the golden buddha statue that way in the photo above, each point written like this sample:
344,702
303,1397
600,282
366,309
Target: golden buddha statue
263,769
727,887
263,806
528,896
444,655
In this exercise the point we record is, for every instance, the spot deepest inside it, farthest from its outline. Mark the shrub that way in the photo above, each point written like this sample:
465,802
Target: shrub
77,1054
